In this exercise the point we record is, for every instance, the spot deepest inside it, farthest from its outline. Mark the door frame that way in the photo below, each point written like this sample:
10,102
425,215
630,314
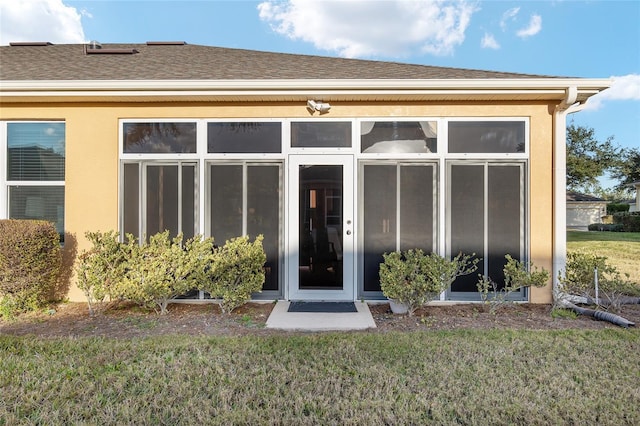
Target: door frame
349,227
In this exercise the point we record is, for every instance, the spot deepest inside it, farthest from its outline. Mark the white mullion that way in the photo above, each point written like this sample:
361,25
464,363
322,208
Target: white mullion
245,168
486,218
4,192
398,204
522,212
180,205
142,196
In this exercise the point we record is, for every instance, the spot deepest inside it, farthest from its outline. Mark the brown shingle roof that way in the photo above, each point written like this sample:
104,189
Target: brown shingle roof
576,196
195,62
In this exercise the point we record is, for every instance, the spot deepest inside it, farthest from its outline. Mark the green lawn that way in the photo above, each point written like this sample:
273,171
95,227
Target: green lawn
621,248
457,377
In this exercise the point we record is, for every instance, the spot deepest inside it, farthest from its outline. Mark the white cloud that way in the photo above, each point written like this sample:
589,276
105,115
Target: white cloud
39,20
535,25
361,28
509,15
489,42
623,88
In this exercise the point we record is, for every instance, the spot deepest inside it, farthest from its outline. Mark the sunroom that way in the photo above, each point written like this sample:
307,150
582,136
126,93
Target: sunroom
331,196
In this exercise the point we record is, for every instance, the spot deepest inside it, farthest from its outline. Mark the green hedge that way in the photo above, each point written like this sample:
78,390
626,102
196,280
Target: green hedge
630,222
613,208
30,264
609,227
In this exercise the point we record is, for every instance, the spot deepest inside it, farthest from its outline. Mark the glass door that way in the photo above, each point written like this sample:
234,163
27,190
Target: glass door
321,227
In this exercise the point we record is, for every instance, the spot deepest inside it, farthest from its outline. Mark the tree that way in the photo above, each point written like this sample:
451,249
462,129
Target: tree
588,159
627,170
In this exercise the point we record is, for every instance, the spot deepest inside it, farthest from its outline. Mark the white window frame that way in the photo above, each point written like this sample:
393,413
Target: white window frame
5,184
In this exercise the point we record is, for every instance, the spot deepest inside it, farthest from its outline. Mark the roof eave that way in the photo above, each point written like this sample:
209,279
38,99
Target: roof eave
221,90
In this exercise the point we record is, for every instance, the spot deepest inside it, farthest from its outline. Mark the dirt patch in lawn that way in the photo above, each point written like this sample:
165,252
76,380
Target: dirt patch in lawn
127,321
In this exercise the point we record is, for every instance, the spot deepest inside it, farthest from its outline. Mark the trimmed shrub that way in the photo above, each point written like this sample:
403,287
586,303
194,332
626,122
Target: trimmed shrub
30,263
236,272
103,267
414,278
630,222
163,269
606,227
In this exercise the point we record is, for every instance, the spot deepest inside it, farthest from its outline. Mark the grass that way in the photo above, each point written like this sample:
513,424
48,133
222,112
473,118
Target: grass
621,248
455,377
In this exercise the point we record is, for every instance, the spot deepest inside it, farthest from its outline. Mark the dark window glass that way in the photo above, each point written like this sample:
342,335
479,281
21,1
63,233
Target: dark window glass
396,137
504,215
36,151
241,137
162,200
486,136
226,202
159,138
188,200
131,199
467,219
380,192
416,208
263,215
385,198
330,134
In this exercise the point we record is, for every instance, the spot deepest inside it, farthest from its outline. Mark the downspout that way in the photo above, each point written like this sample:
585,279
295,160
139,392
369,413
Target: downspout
566,107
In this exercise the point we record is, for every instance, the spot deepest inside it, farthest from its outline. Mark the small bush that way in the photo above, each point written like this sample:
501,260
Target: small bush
236,272
30,263
163,269
605,227
517,275
413,278
579,279
103,267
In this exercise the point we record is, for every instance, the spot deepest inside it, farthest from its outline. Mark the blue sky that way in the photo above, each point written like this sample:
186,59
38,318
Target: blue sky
594,39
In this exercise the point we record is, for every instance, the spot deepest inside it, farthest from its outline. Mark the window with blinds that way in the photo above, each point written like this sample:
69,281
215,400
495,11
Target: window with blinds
35,171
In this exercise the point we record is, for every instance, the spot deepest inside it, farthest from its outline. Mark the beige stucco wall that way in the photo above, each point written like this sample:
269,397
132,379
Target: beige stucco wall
91,201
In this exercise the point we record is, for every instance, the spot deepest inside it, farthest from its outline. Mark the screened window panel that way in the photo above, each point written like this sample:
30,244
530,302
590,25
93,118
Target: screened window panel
486,136
188,200
467,219
35,151
226,202
380,193
38,202
244,137
398,137
162,200
504,218
263,216
131,200
336,134
416,207
159,138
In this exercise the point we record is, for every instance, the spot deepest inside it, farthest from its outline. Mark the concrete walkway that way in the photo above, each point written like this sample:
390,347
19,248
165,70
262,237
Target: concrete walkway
319,321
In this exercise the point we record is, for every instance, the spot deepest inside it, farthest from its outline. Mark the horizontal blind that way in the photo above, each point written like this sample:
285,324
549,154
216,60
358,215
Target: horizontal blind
35,151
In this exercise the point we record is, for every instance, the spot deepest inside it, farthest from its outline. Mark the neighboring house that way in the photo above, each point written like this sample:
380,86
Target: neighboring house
335,161
635,206
583,209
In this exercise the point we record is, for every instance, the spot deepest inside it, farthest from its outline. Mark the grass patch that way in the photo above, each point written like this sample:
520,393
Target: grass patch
621,248
461,377
563,313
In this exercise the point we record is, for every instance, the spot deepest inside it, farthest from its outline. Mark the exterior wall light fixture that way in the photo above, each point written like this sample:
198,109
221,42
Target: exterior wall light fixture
321,107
